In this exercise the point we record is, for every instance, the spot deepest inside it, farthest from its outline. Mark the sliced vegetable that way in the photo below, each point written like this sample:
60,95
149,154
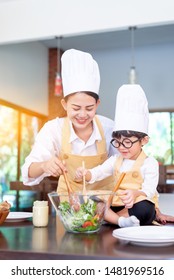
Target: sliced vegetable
87,224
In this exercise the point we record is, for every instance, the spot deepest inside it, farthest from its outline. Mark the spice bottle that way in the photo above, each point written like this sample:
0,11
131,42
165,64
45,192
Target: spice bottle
40,213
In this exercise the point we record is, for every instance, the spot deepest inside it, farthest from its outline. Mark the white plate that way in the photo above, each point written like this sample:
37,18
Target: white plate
146,235
18,216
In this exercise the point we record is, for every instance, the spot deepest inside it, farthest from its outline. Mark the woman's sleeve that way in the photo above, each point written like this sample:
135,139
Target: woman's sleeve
47,145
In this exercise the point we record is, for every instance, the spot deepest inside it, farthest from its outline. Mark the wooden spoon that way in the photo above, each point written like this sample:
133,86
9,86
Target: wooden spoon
70,191
108,203
84,184
73,198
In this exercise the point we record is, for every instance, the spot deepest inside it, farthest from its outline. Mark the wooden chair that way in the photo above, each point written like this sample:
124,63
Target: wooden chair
47,185
162,179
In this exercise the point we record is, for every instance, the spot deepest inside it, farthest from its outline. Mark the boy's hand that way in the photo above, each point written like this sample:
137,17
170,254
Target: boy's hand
80,172
127,197
163,218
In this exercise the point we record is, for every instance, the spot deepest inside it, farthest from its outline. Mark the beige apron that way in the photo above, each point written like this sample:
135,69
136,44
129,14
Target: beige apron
133,180
73,161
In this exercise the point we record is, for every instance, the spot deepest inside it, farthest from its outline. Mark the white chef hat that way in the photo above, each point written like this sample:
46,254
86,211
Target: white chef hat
131,111
80,72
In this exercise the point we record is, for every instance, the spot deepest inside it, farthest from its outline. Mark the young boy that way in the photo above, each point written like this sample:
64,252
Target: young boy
137,193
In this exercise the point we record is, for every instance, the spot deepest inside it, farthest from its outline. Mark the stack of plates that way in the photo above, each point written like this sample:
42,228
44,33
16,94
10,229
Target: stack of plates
146,235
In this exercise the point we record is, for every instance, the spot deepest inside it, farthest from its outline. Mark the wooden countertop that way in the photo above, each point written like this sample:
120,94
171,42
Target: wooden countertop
23,241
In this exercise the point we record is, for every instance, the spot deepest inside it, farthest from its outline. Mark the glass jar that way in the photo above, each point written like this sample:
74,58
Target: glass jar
40,213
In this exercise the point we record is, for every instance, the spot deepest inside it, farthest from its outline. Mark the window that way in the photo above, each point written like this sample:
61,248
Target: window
18,129
8,146
161,132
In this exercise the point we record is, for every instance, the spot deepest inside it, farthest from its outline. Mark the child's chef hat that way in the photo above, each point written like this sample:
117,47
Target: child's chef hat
131,109
80,72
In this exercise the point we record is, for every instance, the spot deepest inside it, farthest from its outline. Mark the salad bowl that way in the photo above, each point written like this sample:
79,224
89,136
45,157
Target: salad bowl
81,213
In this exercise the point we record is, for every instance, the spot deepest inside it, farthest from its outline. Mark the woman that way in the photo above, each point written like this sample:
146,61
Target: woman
81,136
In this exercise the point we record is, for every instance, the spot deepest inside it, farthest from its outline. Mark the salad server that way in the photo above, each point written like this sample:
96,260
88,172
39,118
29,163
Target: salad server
73,198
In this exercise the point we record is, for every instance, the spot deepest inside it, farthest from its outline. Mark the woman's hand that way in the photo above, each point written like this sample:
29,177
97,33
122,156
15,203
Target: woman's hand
54,167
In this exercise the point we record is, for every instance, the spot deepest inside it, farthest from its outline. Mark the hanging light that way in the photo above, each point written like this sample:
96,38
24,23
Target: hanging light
132,73
58,91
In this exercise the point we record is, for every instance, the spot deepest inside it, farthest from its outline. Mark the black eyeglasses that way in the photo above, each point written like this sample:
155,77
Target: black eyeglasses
126,143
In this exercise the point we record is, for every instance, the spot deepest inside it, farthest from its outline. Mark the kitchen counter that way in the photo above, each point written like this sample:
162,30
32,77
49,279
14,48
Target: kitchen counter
23,241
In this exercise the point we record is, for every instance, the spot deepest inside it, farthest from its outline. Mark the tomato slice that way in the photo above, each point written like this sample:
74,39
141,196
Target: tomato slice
87,224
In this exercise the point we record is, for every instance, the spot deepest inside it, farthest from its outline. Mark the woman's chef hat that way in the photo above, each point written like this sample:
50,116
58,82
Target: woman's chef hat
80,72
131,109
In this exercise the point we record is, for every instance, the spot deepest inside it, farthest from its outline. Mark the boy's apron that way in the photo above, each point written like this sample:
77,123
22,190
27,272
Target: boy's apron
74,161
133,180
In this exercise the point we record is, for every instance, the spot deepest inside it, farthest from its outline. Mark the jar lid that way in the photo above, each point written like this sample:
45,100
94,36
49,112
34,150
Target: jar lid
40,203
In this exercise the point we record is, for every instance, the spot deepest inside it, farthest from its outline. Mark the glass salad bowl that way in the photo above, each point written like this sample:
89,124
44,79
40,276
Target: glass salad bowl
80,213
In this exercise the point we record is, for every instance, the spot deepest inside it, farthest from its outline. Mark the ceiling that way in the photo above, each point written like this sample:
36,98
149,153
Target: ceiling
115,39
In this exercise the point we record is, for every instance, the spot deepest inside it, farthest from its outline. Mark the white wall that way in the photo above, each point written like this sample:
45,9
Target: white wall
24,75
154,66
24,67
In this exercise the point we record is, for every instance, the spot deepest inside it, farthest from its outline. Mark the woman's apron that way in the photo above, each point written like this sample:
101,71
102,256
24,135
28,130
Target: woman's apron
133,180
74,161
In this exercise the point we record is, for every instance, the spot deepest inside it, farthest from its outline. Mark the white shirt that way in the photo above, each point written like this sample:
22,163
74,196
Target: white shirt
48,144
149,171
